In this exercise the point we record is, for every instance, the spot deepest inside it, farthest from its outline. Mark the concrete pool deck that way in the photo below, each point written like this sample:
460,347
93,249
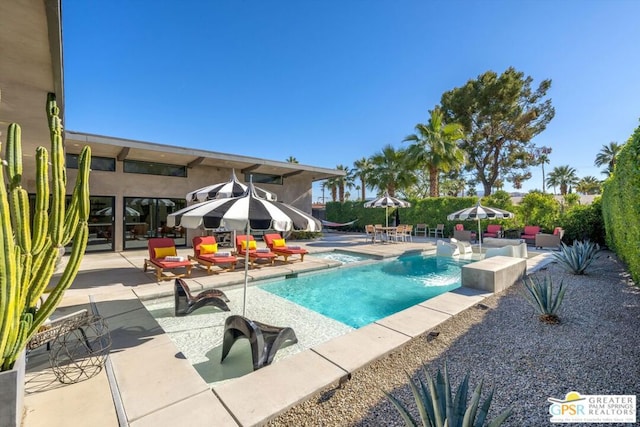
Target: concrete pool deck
147,382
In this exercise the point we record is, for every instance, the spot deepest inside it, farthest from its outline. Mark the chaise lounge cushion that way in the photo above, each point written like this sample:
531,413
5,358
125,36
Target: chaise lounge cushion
273,241
493,230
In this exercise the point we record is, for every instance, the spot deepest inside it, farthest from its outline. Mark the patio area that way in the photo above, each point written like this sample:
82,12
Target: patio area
147,381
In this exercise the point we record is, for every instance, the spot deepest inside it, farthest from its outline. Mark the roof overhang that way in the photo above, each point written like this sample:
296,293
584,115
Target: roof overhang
104,146
31,65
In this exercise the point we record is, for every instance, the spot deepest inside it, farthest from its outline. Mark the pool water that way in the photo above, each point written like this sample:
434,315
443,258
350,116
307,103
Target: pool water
342,256
357,296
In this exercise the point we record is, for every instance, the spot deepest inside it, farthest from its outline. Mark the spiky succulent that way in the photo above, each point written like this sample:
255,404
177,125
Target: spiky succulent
539,293
31,243
439,408
578,257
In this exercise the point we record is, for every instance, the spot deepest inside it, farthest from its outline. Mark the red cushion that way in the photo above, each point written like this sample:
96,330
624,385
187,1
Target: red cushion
531,230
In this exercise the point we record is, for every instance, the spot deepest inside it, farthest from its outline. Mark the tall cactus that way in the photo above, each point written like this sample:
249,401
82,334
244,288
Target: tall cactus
30,244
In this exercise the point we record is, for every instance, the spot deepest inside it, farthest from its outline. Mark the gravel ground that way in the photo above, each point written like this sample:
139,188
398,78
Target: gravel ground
594,350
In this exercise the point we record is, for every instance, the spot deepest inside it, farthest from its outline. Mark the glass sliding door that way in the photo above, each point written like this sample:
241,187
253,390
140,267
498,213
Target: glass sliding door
101,223
146,217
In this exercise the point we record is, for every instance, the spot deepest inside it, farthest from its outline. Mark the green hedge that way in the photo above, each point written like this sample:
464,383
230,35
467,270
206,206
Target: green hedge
430,211
621,206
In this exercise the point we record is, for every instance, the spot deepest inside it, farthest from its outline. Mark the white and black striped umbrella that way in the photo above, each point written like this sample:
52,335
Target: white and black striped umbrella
246,212
223,190
236,213
387,202
479,212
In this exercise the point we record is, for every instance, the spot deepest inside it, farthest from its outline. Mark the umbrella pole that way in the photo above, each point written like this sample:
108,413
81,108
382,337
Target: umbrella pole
246,272
479,237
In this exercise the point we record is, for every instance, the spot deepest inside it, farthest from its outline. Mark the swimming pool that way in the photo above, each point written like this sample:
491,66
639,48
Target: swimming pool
357,296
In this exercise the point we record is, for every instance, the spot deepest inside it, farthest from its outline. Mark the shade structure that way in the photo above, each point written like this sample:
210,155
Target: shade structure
386,202
479,212
246,212
223,190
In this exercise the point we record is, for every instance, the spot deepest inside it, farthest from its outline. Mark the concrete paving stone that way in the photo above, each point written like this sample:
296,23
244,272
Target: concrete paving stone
265,393
154,375
414,321
361,347
84,403
454,302
201,410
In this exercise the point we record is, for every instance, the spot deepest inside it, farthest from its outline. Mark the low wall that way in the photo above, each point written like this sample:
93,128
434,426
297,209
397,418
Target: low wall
492,242
494,274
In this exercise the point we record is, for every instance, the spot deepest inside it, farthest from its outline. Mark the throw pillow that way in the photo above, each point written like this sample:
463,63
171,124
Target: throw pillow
165,252
279,243
252,245
208,249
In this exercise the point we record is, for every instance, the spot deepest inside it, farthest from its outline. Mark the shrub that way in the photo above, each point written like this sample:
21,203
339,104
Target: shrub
438,408
584,223
578,257
539,209
539,293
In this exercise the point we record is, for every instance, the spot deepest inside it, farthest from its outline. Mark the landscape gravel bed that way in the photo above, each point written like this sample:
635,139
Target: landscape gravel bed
594,350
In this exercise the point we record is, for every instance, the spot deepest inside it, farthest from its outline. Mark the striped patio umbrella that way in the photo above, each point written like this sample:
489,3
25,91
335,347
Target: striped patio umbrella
223,190
246,212
386,202
479,212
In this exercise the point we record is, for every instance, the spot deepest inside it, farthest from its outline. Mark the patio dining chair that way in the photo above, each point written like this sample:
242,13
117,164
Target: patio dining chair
438,231
421,228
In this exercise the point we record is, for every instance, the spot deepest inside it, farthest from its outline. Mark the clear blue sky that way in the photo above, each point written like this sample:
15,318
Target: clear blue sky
330,82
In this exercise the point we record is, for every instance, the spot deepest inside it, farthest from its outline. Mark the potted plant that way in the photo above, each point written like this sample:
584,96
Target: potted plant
31,244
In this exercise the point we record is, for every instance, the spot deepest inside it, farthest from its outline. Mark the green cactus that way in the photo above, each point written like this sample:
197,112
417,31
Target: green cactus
30,244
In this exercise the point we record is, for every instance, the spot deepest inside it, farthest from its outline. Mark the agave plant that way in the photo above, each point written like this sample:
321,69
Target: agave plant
438,408
539,293
578,257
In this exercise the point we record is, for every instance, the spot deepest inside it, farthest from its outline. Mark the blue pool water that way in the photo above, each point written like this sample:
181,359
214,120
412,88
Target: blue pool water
363,294
342,256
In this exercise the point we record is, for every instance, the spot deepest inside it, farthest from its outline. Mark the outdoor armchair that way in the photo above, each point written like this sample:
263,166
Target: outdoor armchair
529,233
493,230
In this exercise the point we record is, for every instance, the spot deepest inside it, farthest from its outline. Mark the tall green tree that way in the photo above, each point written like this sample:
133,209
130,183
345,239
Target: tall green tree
500,115
435,147
607,156
563,177
390,170
361,170
331,184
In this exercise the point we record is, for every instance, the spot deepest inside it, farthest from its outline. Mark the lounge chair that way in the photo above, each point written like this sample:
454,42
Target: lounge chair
461,234
279,246
205,252
464,247
544,240
185,303
163,256
529,233
447,249
255,254
265,339
493,230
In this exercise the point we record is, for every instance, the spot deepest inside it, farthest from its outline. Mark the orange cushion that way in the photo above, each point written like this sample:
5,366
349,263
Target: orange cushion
165,252
209,249
279,243
252,245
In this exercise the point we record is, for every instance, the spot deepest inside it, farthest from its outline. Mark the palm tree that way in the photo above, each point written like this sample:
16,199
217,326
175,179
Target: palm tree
390,171
332,185
435,147
362,169
563,177
343,181
542,155
292,159
607,156
589,185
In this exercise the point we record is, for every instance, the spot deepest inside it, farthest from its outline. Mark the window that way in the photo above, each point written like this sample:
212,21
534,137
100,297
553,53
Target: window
261,178
97,163
148,168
